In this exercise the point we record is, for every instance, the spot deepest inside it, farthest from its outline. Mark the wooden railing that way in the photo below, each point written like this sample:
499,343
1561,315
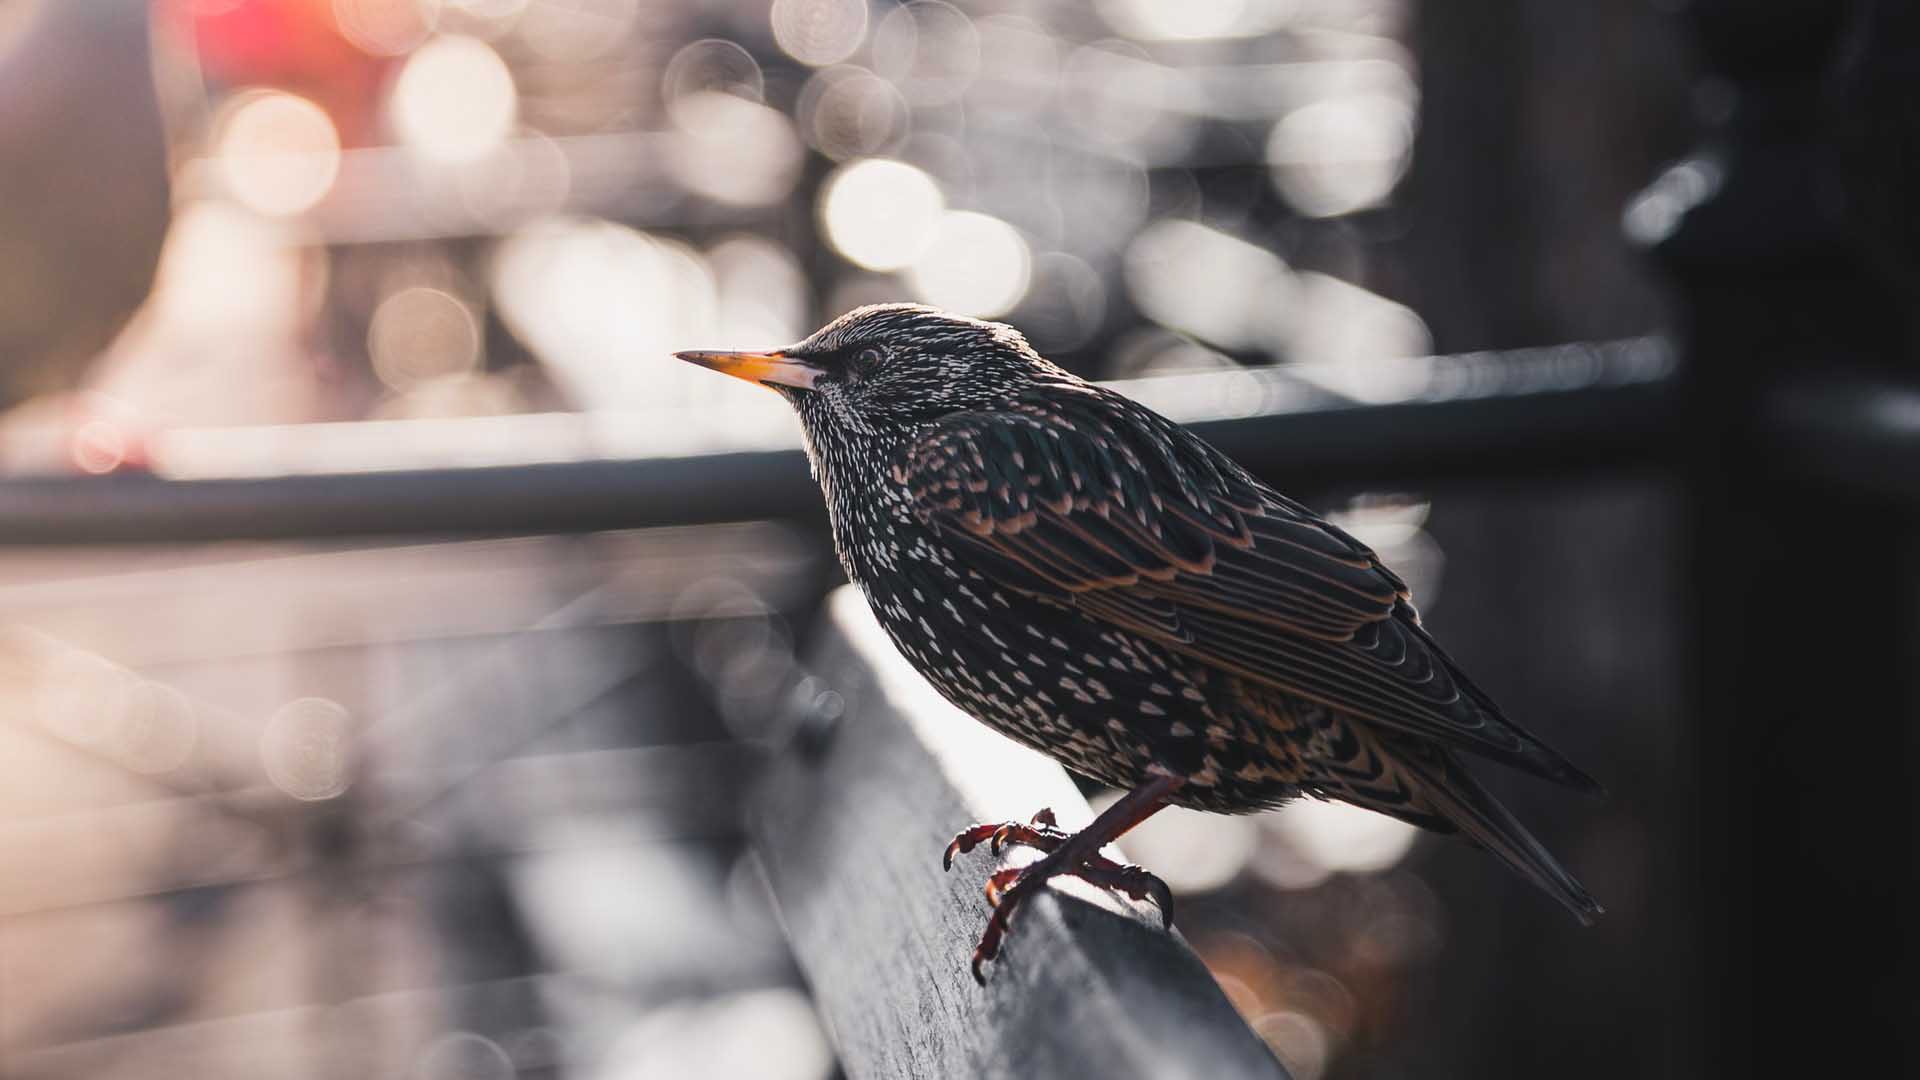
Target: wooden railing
851,824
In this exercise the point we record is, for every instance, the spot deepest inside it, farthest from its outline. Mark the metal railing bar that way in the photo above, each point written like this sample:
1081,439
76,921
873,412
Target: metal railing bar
1530,412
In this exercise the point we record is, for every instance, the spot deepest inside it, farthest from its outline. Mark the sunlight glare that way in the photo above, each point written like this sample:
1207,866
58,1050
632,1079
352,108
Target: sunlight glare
1217,287
819,32
1345,154
454,100
277,153
880,214
1345,838
974,264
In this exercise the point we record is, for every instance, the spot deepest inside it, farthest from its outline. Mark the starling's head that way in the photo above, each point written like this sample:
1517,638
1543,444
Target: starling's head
890,367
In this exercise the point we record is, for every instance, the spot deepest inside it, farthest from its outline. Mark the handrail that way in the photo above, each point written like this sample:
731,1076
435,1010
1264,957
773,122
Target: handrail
1542,411
850,825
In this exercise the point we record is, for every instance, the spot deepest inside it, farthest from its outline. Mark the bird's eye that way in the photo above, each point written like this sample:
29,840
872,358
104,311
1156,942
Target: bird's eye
867,359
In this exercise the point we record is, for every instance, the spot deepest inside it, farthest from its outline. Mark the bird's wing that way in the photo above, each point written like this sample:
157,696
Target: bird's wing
1082,496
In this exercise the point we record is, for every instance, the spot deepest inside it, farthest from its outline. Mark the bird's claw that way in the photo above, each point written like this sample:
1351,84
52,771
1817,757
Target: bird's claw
1007,887
1001,881
1041,833
997,923
966,841
1137,882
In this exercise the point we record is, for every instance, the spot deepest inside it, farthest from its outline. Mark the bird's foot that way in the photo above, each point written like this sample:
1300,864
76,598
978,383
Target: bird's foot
1007,888
1043,832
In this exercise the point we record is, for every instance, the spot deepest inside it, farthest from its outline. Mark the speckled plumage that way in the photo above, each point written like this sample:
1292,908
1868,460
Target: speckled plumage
1087,577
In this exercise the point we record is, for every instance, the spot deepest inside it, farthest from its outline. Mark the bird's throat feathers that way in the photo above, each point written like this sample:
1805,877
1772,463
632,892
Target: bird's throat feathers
852,466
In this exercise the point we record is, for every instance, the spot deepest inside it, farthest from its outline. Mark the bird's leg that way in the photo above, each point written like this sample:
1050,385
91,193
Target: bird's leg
1134,881
1043,833
1072,854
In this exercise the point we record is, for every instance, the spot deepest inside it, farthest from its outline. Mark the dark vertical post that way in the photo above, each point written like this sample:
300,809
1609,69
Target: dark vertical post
1803,631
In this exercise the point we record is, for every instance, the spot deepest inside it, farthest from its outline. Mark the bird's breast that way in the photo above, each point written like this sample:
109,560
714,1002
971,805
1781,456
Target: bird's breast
1037,671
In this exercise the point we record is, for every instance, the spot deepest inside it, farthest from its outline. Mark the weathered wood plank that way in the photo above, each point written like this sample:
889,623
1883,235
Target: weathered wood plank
850,824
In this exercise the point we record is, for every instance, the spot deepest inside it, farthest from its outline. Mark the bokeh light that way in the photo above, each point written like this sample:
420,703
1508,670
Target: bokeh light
480,9
762,289
1066,302
422,333
277,153
929,49
78,696
1217,287
768,1034
1334,157
1353,337
454,100
819,32
489,20
1344,838
1298,1040
88,701
574,31
1194,20
1193,852
1652,214
1119,96
225,270
463,1055
526,178
1019,64
596,300
879,213
384,27
307,749
1393,526
712,65
973,263
99,447
1102,202
851,112
161,732
734,151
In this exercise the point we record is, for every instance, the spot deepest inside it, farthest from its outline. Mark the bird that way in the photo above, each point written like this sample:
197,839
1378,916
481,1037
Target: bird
1095,581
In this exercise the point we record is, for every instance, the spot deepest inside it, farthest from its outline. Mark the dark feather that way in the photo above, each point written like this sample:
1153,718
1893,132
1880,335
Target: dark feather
1089,498
1085,576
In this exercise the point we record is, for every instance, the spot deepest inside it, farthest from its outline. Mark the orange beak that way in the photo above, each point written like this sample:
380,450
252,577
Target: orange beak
765,368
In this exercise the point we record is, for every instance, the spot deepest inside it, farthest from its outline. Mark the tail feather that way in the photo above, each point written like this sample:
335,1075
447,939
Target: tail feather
1425,784
1451,792
1420,781
1532,755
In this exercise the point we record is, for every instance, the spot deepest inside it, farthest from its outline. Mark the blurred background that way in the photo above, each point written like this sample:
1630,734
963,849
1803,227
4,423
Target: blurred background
469,807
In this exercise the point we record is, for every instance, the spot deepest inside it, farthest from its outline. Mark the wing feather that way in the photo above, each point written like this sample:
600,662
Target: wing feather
1081,496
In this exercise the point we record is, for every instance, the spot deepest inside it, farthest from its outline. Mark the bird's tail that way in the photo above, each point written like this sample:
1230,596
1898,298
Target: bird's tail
1448,791
1419,781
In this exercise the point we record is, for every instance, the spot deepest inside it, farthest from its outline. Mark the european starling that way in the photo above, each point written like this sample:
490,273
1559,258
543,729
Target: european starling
1087,577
